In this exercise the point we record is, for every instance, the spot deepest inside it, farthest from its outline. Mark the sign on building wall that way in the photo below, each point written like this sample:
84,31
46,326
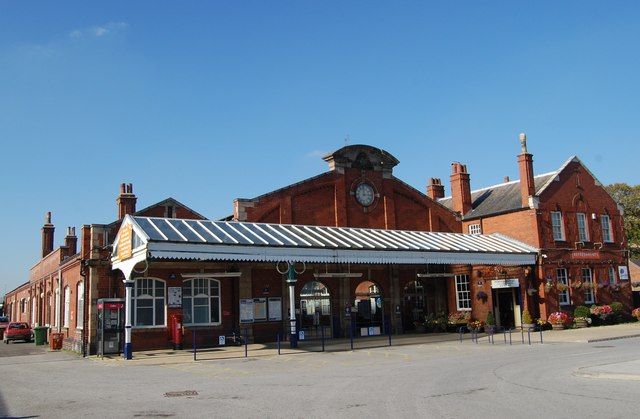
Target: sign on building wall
585,255
124,242
505,283
175,297
623,273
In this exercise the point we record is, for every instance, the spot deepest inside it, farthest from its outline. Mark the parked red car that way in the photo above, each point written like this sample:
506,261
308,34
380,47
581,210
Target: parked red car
18,331
4,322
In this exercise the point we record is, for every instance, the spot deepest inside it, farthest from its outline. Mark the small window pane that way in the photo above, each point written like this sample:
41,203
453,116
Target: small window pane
201,314
144,316
215,310
159,312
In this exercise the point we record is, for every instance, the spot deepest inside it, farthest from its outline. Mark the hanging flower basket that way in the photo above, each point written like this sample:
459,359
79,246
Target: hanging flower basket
562,287
531,291
548,286
576,285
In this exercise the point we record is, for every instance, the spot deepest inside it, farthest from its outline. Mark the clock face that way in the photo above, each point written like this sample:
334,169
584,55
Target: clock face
365,194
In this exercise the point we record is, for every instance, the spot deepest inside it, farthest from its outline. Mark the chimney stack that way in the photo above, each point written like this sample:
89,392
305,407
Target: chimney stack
435,190
47,235
460,188
506,179
71,241
126,200
525,166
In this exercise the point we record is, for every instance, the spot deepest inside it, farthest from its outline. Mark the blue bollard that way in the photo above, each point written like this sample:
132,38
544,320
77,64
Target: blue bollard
351,334
278,338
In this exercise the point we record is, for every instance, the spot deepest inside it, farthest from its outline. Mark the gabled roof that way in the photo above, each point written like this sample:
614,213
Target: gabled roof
505,197
167,201
176,239
500,198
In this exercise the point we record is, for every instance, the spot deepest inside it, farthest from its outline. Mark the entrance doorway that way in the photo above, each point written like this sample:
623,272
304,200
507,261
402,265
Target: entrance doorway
504,307
315,305
368,303
413,305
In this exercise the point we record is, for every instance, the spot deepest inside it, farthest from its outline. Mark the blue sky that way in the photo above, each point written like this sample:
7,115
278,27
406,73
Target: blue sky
209,101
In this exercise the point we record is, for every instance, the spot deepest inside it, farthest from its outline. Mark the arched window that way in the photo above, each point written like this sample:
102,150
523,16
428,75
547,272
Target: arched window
67,303
201,301
80,305
149,302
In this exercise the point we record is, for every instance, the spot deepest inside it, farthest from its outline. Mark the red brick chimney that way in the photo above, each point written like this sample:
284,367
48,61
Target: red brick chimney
47,235
435,190
460,188
126,200
525,165
71,241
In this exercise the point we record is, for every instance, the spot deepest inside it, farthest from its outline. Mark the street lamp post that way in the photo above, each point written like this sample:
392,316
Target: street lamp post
291,280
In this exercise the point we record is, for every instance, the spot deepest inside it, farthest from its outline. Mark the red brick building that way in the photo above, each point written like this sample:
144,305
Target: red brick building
569,216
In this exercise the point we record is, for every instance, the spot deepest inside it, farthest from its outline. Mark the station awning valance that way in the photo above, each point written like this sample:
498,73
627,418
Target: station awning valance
142,238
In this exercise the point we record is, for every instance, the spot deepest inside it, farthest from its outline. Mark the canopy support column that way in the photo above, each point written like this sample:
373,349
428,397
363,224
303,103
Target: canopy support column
128,286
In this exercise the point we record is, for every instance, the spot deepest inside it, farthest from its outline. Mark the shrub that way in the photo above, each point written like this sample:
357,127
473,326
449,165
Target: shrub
526,317
617,307
491,321
582,312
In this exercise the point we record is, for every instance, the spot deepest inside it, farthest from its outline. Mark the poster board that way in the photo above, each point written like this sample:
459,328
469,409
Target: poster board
259,309
275,309
246,310
174,298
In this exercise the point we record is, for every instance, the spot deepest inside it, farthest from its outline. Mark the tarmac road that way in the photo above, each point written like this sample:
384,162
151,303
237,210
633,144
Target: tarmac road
449,380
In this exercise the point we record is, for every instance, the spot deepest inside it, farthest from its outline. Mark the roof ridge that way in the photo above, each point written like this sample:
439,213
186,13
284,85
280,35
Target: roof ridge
498,185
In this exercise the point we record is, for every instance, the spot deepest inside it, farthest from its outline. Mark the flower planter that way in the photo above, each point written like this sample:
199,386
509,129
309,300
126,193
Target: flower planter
580,323
557,326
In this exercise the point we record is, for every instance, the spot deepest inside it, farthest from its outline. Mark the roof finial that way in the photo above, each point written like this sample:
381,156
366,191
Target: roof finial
523,142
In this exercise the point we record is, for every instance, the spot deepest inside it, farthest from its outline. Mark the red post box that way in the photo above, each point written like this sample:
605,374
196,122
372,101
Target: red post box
175,324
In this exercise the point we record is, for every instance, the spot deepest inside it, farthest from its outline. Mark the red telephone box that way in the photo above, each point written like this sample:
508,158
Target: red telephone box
176,330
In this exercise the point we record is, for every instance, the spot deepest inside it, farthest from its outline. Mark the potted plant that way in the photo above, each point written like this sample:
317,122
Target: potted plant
491,322
475,325
581,316
603,313
636,313
527,320
558,320
458,319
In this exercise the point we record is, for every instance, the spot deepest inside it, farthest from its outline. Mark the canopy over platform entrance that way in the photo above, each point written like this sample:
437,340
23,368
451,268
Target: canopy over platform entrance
145,238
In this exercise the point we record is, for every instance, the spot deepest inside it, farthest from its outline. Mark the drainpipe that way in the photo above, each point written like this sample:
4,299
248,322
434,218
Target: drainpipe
83,334
59,308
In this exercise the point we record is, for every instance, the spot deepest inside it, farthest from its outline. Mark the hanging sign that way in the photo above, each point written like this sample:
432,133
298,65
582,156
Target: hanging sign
246,310
505,283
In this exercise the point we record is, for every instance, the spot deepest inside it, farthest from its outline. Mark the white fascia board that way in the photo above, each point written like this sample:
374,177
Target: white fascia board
314,255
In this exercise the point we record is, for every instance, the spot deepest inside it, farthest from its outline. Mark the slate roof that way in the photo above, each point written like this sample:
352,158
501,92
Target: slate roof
500,198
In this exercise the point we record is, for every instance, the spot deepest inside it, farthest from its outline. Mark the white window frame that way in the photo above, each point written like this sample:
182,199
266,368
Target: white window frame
583,227
607,233
208,295
562,276
56,320
589,297
156,300
80,305
463,292
613,275
67,307
475,229
555,227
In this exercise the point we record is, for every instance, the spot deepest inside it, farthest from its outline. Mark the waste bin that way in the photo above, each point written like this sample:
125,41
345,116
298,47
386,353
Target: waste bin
55,341
40,334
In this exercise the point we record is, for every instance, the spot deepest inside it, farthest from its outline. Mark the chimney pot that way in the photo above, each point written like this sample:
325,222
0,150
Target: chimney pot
461,188
126,200
506,179
525,167
435,190
47,236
